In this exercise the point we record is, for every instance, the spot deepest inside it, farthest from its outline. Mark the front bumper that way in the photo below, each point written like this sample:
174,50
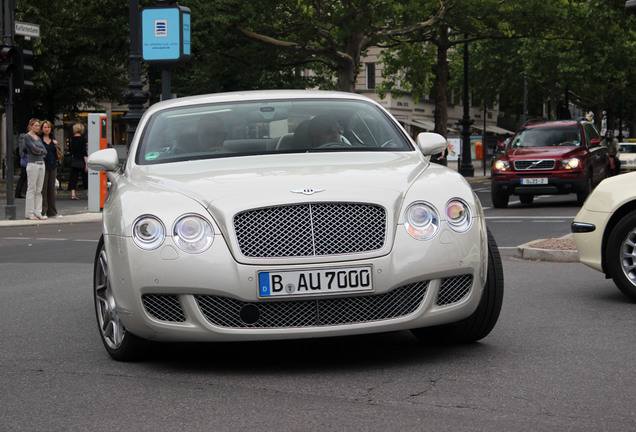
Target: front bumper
556,186
168,295
589,243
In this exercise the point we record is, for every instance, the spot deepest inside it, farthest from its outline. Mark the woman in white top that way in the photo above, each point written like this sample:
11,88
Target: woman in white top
35,171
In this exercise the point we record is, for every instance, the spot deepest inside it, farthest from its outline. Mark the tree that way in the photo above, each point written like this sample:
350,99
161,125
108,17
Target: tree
80,58
588,59
489,21
224,60
331,36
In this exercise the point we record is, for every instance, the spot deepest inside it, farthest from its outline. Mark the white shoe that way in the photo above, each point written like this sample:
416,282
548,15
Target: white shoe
57,216
43,217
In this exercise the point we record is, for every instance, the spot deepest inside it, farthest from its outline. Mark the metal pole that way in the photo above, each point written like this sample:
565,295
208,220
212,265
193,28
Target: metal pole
525,100
166,93
466,163
135,96
10,209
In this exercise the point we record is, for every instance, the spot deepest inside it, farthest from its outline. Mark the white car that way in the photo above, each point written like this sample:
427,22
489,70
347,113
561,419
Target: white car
287,214
604,231
627,156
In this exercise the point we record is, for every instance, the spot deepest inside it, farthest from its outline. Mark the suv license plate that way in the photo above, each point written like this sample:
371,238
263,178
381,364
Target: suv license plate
534,181
315,282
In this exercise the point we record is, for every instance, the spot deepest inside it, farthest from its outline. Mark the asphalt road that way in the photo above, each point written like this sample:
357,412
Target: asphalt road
559,359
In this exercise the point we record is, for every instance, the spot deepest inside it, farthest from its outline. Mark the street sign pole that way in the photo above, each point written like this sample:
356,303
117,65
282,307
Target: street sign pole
10,209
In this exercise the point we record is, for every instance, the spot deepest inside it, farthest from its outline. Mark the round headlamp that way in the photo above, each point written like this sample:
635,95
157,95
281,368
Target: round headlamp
458,215
148,232
193,234
421,221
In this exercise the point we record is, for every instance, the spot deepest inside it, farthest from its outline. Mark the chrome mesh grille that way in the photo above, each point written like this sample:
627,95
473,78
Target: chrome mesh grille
310,230
164,307
454,289
538,164
225,312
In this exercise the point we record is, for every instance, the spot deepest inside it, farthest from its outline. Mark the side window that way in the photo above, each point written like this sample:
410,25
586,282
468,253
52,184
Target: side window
591,133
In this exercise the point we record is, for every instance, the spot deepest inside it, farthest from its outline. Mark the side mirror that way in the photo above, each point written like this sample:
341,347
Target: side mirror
103,160
501,146
595,142
431,143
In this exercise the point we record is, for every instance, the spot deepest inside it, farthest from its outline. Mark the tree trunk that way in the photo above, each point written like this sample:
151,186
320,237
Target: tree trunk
349,62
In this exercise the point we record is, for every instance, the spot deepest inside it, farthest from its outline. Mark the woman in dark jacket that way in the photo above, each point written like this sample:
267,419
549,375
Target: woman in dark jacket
50,166
79,155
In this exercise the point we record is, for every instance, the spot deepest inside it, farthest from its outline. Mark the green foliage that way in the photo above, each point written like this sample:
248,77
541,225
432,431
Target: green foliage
408,68
80,58
585,46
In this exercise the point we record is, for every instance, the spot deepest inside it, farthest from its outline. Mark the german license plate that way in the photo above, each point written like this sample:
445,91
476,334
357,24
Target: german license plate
315,281
534,181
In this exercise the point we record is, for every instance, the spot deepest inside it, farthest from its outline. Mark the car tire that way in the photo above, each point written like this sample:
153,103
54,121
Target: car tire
526,198
483,320
620,254
583,193
120,344
499,199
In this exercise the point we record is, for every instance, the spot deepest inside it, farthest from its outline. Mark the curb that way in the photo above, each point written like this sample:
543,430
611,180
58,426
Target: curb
72,218
528,252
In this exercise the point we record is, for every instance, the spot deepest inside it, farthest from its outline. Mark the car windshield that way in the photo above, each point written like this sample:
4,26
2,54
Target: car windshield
547,137
267,127
627,148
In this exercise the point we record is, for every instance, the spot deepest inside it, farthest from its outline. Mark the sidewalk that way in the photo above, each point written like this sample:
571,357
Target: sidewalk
72,211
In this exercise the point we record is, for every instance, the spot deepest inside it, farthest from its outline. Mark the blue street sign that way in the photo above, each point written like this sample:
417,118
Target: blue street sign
165,35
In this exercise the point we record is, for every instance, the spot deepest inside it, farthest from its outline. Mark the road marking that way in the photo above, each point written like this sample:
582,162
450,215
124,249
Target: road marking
31,239
531,217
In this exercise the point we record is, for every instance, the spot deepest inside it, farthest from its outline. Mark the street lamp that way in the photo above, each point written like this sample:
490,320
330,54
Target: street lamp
466,163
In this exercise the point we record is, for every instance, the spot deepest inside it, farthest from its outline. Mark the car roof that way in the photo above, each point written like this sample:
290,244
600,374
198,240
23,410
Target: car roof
256,95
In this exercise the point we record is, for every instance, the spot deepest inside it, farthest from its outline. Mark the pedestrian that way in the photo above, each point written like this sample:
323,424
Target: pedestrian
35,171
49,208
79,154
20,187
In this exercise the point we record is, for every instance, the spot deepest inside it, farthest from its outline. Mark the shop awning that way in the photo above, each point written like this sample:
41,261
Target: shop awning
494,129
423,124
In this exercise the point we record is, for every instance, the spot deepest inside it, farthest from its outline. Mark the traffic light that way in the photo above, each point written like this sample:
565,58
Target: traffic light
23,67
7,64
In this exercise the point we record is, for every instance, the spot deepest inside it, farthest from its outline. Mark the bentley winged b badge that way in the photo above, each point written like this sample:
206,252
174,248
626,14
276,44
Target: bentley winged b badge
307,191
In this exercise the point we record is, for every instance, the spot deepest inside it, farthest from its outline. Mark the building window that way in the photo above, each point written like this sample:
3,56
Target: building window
370,76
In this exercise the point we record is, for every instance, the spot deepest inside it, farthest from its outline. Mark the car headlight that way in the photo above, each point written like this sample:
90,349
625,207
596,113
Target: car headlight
193,234
501,165
572,163
148,232
421,221
458,215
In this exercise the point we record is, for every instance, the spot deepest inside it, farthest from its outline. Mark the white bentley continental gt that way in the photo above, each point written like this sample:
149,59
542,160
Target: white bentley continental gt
287,214
604,231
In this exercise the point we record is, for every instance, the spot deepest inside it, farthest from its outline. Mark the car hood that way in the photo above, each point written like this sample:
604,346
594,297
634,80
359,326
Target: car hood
543,152
258,181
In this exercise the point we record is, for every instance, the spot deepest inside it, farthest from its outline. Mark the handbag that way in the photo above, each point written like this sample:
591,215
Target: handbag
24,161
60,155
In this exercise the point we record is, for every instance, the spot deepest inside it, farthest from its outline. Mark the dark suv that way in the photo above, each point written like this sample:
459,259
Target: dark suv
549,158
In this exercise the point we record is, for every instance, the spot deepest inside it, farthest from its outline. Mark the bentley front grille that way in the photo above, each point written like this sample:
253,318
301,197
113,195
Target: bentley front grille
454,289
164,307
310,230
539,164
230,313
